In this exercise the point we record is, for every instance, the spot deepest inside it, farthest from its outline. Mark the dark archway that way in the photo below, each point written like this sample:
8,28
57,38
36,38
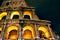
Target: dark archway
16,17
27,34
26,17
4,17
42,34
0,32
13,34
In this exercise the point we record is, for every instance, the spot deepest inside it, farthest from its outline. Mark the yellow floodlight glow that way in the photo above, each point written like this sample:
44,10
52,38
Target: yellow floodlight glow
14,13
1,29
2,15
28,28
28,13
27,34
13,37
10,29
45,30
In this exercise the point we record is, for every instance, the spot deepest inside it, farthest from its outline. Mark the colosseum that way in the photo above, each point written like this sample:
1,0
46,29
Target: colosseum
18,21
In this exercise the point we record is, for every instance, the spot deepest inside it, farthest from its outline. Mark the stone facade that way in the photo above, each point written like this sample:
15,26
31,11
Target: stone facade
19,22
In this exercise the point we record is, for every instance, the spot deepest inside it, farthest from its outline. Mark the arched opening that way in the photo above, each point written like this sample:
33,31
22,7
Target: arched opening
7,3
26,17
16,17
30,31
28,14
27,34
3,15
0,32
12,32
43,32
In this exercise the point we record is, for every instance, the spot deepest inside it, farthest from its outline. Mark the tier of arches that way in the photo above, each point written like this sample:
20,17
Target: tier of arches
28,32
16,15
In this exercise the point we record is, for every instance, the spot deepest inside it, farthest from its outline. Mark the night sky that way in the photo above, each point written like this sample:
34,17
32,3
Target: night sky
47,10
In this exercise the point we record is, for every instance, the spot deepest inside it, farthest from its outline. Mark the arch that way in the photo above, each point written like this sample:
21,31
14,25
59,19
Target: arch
16,17
9,31
26,17
14,13
28,13
45,31
29,28
41,34
27,34
3,14
4,17
13,34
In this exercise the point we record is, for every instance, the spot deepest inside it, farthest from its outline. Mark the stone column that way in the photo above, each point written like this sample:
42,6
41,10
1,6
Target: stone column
50,31
37,34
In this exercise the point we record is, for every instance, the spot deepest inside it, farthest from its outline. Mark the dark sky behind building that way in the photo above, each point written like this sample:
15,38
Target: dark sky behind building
47,10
